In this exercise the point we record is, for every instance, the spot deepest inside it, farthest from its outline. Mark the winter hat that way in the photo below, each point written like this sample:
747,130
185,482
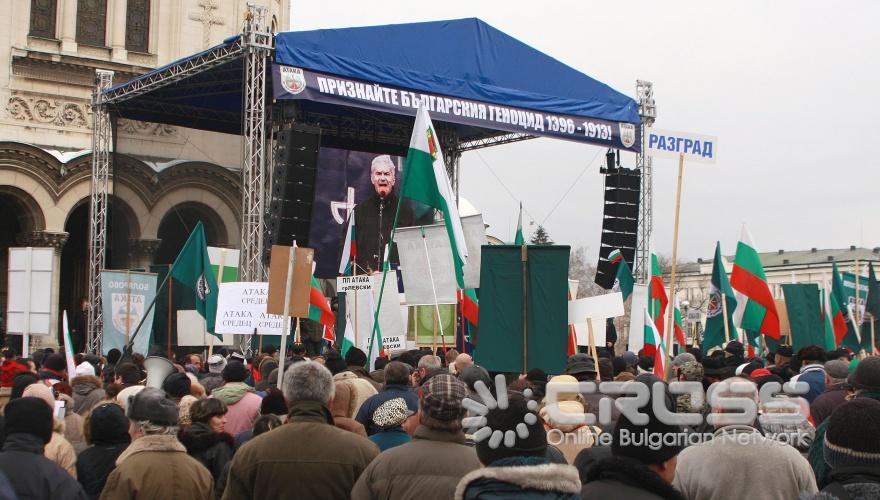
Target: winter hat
691,371
734,347
273,402
55,362
631,358
355,357
867,375
20,382
153,405
785,351
619,365
514,431
441,397
713,366
41,391
836,369
27,415
682,359
852,435
183,416
472,374
216,363
237,356
234,372
9,370
128,393
391,413
580,363
335,363
628,440
760,372
108,424
564,396
85,369
177,385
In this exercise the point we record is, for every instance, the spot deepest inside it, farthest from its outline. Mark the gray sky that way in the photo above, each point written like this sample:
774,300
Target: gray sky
787,86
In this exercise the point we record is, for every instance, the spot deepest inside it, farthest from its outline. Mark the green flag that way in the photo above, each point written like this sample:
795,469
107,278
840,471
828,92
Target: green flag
872,307
519,239
192,269
841,316
624,279
804,315
713,335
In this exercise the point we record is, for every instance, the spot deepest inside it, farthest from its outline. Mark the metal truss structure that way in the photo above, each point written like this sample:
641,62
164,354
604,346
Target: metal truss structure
102,138
647,113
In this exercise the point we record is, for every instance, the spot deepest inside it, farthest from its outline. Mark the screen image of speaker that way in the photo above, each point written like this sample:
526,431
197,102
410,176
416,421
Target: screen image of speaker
620,222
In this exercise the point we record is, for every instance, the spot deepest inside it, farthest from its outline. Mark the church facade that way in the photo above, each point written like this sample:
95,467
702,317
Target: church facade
164,178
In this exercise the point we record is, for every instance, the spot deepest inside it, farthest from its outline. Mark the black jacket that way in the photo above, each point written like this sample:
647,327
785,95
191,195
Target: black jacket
212,449
94,464
33,475
620,477
373,220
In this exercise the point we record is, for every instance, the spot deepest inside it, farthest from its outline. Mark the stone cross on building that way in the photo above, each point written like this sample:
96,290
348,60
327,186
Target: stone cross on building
208,18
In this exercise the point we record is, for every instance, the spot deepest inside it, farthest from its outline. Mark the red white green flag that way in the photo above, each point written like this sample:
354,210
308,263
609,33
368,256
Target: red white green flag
830,339
470,306
838,307
657,302
678,329
655,339
755,308
319,307
349,249
519,239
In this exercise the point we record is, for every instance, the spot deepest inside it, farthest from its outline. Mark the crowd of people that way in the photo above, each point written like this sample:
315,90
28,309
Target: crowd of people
438,425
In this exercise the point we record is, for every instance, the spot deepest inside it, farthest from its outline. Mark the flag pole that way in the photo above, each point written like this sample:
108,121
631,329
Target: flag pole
524,256
130,343
433,289
285,320
593,351
858,308
726,321
669,333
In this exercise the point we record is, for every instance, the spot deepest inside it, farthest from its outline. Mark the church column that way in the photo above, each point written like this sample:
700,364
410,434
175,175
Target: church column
117,14
141,252
56,241
68,25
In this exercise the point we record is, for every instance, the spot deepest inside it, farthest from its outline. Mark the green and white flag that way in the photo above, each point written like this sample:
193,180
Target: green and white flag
192,268
519,239
425,180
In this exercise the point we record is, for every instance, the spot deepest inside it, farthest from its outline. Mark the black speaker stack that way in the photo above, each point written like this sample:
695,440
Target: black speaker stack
620,223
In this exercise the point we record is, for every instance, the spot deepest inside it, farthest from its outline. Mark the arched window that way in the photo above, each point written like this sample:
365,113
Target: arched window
137,26
91,22
43,18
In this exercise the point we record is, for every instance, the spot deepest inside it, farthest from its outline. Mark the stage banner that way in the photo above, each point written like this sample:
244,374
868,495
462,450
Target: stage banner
125,297
296,83
501,345
342,182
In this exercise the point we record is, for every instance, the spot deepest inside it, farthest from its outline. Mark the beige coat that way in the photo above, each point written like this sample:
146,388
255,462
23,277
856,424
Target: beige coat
59,449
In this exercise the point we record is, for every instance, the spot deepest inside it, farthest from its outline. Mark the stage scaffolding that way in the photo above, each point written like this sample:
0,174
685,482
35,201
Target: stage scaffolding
254,47
647,114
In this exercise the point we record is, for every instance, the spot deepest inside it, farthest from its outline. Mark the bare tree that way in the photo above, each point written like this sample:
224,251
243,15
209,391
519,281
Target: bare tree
582,270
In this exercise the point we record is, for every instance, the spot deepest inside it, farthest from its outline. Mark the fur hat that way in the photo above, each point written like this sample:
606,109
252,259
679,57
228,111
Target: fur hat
852,435
391,413
41,391
216,363
153,405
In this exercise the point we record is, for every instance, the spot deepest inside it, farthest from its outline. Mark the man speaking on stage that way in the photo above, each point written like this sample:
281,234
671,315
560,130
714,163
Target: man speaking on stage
374,217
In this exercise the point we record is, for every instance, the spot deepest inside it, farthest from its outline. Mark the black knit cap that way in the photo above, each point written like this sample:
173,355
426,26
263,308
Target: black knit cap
517,411
177,385
55,362
852,436
645,443
867,375
28,416
108,425
334,362
355,357
234,372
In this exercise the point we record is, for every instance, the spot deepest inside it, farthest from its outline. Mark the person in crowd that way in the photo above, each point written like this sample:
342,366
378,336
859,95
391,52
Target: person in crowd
28,426
10,368
449,358
753,466
786,419
363,389
836,372
569,437
73,422
273,404
517,467
582,367
470,376
425,368
356,359
378,373
243,403
156,464
864,383
58,449
781,366
177,385
812,371
127,375
429,466
88,390
265,423
689,371
396,386
852,450
53,368
266,366
193,362
345,407
214,377
680,360
461,362
207,441
325,462
637,469
388,420
107,434
538,379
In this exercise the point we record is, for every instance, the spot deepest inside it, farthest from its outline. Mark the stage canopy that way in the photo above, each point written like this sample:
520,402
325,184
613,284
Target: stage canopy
475,79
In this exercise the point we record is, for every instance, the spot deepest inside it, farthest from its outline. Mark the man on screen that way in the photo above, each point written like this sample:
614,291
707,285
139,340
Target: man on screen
374,217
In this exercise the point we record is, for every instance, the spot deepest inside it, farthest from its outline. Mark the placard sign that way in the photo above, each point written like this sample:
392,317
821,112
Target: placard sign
353,283
241,307
28,309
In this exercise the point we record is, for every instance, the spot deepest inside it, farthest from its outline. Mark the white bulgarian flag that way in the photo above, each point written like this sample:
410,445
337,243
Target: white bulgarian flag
348,339
425,180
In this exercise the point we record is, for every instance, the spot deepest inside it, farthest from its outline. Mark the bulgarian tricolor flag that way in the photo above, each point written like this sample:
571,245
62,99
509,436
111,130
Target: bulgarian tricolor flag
349,249
831,342
425,180
657,302
654,339
348,338
519,239
470,306
838,306
755,310
624,280
319,307
678,328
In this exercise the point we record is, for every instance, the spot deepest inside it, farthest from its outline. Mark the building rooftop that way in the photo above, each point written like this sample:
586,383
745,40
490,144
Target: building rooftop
782,258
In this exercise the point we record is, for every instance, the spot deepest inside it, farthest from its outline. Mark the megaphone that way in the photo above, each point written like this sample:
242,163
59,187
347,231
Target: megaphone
157,369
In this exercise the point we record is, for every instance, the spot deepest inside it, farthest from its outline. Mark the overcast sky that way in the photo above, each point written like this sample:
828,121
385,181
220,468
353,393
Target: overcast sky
791,88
